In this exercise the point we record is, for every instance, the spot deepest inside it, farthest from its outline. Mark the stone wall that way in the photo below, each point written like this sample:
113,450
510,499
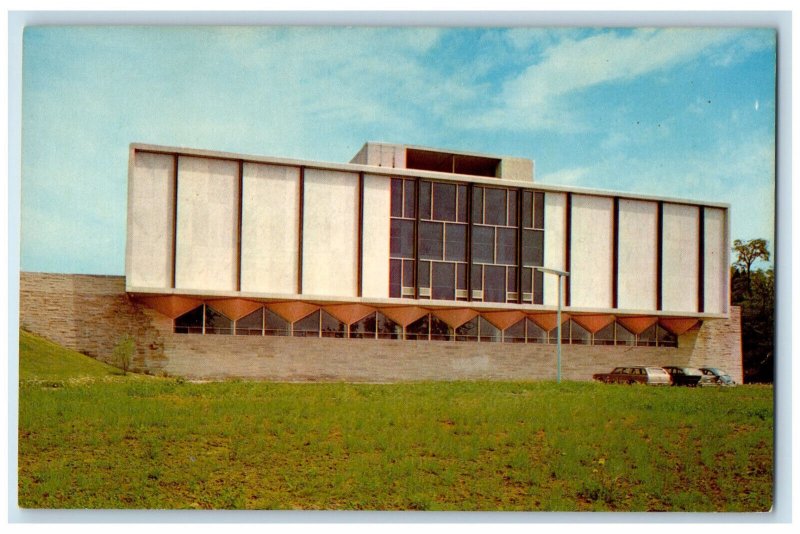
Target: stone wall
91,313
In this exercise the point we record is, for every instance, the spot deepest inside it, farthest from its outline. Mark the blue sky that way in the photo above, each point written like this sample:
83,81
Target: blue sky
674,112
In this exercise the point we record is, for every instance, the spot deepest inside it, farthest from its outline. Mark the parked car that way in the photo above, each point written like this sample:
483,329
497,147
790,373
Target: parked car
684,376
655,376
717,376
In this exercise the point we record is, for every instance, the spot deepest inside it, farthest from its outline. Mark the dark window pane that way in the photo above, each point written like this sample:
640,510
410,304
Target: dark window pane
408,273
431,241
477,205
536,333
409,206
364,328
538,211
538,287
216,323
468,331
455,245
496,206
532,247
461,276
397,197
401,243
605,336
461,214
443,281
511,279
624,336
477,277
395,272
527,280
424,274
418,329
488,331
512,208
665,338
388,329
515,333
647,338
527,209
190,322
308,326
494,289
424,200
506,246
440,331
579,335
274,324
444,202
250,325
483,244
331,326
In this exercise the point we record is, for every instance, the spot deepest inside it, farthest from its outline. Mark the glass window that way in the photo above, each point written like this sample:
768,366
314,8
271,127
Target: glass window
496,207
512,208
401,243
538,287
511,280
190,322
444,279
494,289
515,333
527,209
408,273
461,214
461,276
424,200
395,280
397,197
331,326
665,338
624,336
536,334
488,331
483,244
605,336
251,325
532,247
216,323
431,240
308,326
455,244
527,279
444,202
477,205
538,211
274,324
409,206
440,331
364,328
477,277
468,331
387,329
507,246
418,329
424,274
647,338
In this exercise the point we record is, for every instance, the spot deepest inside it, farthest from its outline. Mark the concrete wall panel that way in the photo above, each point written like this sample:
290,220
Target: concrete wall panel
150,221
637,259
715,262
207,224
680,258
330,233
375,263
591,251
270,212
554,239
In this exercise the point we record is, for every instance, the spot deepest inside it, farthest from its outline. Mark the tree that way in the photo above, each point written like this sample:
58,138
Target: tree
123,353
747,252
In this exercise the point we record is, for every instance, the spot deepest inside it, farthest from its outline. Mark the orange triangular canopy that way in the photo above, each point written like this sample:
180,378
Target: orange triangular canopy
405,315
677,325
548,321
455,318
637,325
349,313
293,310
593,323
234,309
173,306
503,319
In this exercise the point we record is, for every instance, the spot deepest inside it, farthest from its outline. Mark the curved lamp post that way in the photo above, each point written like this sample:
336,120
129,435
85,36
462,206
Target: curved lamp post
561,275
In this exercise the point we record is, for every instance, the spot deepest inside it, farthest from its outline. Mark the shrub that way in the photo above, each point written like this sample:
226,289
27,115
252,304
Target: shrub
123,353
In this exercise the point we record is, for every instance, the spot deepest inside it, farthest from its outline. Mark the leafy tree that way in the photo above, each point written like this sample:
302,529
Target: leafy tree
123,353
747,252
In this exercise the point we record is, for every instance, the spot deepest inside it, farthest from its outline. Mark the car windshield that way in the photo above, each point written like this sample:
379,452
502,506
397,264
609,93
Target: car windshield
656,371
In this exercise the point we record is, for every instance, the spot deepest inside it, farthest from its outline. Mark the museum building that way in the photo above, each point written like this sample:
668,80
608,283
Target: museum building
411,263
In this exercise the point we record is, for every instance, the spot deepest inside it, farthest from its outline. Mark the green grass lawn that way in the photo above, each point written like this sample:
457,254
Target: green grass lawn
107,441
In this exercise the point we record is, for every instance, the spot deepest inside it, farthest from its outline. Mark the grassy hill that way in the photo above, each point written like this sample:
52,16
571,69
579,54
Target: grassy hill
43,360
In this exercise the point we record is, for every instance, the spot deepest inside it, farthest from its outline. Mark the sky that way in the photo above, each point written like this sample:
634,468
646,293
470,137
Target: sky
686,113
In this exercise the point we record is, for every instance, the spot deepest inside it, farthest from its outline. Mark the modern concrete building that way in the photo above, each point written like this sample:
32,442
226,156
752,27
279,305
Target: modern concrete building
411,263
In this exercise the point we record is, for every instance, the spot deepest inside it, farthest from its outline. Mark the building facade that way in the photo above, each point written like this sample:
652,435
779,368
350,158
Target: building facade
408,263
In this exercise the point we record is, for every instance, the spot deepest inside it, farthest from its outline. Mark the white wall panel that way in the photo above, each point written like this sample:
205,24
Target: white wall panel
330,233
150,221
270,212
637,259
375,263
680,258
207,224
591,251
715,262
554,240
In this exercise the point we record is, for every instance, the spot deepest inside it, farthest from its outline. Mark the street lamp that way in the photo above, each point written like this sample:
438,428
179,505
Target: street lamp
561,275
